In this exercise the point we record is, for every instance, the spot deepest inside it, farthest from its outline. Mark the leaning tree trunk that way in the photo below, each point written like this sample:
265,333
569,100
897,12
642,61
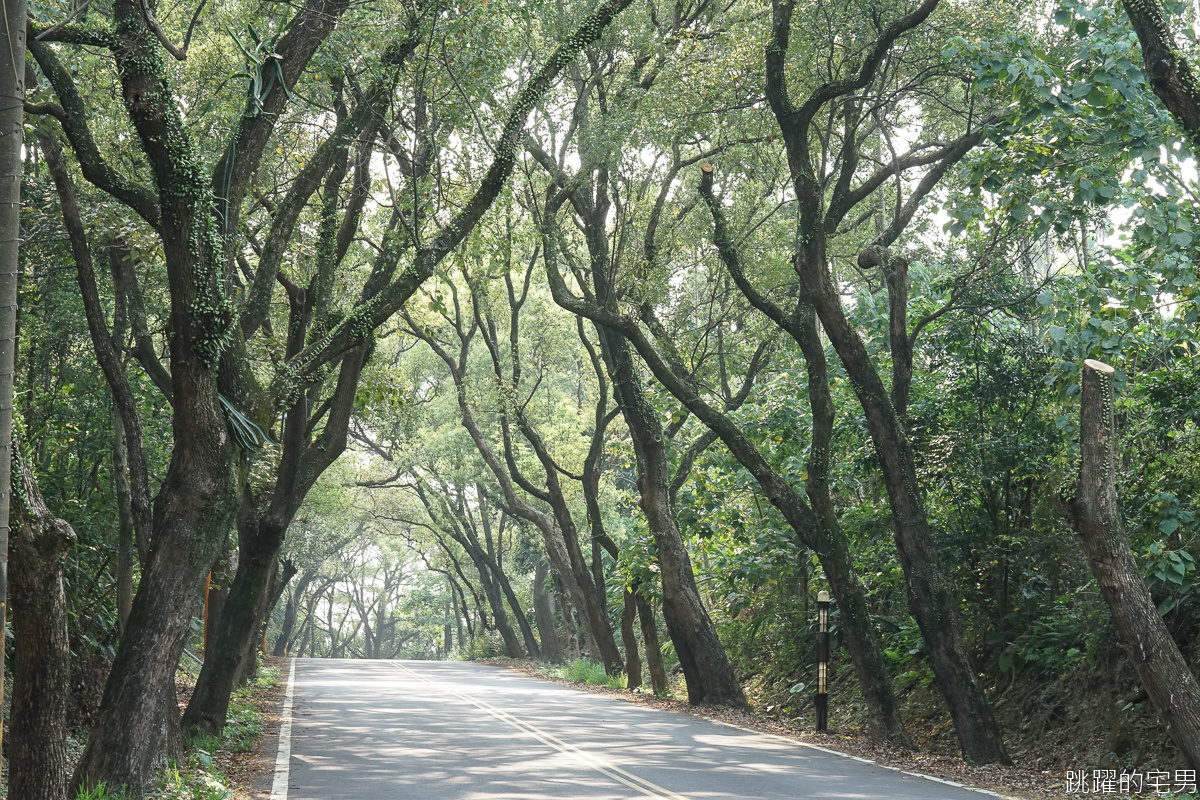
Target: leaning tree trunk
235,629
932,595
1096,517
12,90
710,677
495,598
290,612
138,719
196,502
247,665
531,643
817,527
38,766
261,532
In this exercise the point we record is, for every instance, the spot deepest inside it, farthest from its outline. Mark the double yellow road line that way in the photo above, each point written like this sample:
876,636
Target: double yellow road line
610,771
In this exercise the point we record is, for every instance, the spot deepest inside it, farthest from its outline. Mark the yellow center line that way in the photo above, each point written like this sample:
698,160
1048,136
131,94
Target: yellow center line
609,770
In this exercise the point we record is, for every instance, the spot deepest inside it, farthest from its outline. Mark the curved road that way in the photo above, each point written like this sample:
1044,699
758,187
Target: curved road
430,730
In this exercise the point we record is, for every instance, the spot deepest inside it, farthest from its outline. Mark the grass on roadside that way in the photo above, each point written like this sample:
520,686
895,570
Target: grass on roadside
584,671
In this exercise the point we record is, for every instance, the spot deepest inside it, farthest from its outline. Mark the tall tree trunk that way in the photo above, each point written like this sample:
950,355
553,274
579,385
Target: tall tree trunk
137,721
461,613
710,677
543,615
598,578
1095,515
247,663
38,766
261,531
12,165
125,540
531,643
633,664
658,671
492,555
574,647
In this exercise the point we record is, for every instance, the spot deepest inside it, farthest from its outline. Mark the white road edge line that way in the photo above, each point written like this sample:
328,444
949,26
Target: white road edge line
283,761
864,760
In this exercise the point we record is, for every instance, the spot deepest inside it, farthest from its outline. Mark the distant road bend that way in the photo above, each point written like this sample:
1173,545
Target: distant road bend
445,730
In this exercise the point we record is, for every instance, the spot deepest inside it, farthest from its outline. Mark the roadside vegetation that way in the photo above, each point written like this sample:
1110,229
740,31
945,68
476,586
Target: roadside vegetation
200,773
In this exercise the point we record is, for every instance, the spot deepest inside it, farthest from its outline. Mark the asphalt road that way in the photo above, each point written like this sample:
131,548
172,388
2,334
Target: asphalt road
427,730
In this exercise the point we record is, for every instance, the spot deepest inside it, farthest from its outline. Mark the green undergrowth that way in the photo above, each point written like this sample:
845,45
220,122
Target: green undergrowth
198,776
584,671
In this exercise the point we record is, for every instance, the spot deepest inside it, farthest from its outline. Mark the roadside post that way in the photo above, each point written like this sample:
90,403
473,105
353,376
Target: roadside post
822,698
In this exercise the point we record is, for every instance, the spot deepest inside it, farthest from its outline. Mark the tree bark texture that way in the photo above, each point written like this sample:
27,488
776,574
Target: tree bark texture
261,530
633,664
234,631
198,497
1171,76
38,766
216,591
125,539
932,596
1096,517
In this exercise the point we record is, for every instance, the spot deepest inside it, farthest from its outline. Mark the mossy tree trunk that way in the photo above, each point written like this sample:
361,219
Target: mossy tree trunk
37,761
